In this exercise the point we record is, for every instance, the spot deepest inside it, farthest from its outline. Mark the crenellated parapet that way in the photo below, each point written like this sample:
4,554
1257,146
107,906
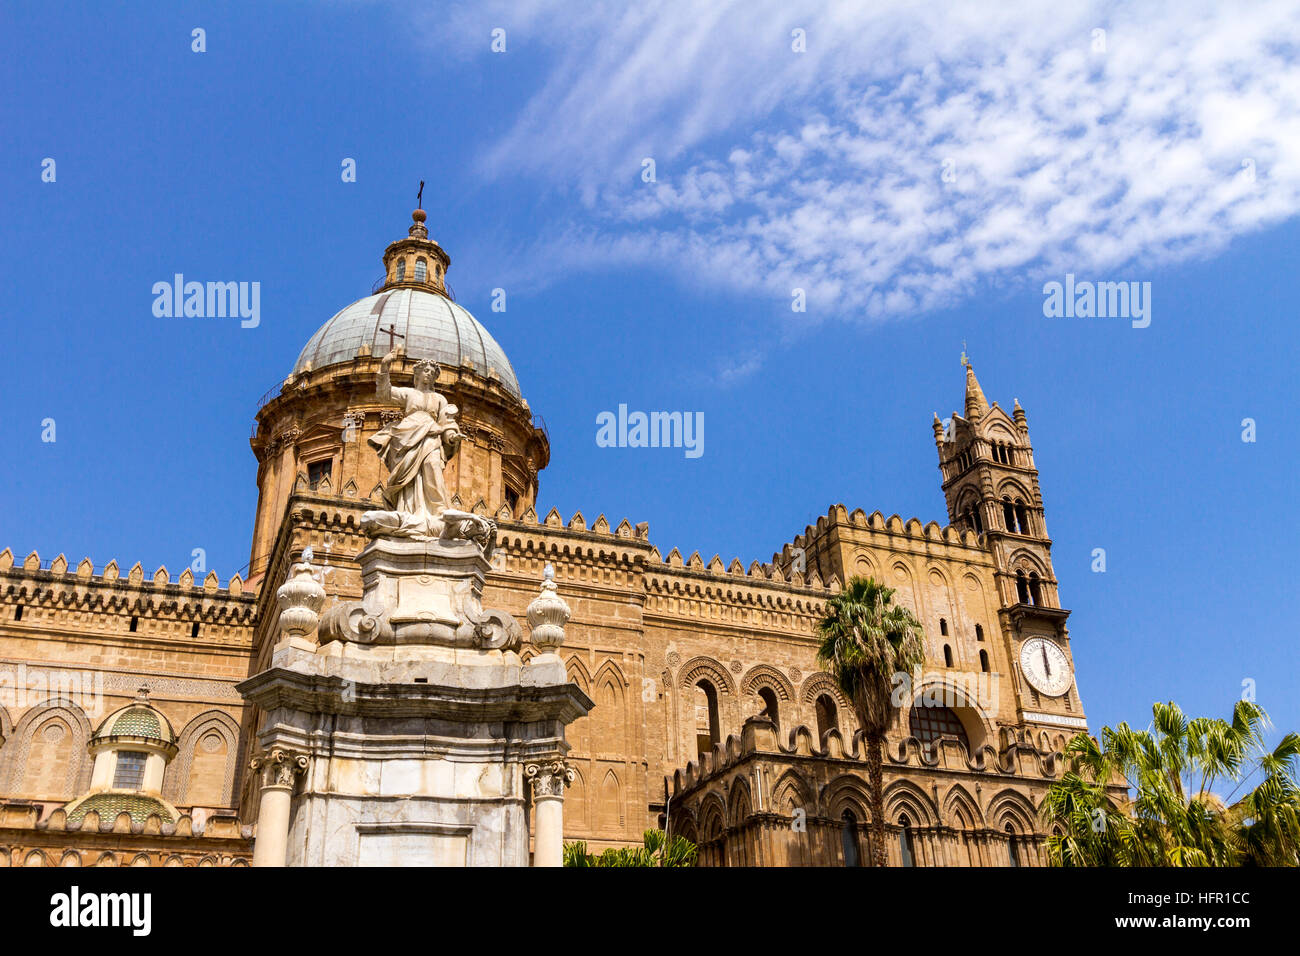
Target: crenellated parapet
106,600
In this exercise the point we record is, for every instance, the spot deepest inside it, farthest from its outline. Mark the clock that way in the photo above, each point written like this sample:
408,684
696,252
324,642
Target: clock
1045,666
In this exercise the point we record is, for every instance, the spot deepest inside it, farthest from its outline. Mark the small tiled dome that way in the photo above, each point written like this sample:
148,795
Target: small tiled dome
109,805
137,720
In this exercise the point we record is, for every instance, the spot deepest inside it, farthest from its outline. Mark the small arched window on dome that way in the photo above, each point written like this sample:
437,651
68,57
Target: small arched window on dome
421,270
400,273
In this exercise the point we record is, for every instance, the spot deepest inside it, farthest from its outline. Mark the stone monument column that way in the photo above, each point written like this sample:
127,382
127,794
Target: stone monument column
278,770
549,781
412,710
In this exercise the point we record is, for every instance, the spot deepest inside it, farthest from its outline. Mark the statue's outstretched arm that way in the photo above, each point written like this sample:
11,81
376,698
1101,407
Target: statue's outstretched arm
384,392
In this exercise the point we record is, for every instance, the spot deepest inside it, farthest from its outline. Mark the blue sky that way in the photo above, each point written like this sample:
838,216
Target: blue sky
775,170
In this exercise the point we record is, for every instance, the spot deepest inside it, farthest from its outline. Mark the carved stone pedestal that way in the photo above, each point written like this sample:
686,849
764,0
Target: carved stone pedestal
415,756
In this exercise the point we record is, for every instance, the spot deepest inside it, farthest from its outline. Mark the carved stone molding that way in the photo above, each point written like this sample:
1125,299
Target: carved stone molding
550,778
278,768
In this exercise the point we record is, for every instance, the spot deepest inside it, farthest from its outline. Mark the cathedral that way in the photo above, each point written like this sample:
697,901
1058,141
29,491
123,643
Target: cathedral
129,724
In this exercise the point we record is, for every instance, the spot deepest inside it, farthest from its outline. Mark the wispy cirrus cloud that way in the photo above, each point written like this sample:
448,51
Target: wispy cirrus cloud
911,155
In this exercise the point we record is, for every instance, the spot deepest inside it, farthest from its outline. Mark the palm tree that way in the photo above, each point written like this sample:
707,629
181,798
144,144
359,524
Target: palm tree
1174,816
866,641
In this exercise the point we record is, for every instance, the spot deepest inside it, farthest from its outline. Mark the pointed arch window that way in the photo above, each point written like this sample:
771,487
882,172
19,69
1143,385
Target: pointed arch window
947,655
1008,514
984,661
1035,589
906,846
1022,588
1012,850
849,839
706,717
1022,516
827,715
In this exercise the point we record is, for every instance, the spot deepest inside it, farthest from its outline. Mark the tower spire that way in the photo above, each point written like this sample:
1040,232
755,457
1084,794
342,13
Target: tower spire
976,403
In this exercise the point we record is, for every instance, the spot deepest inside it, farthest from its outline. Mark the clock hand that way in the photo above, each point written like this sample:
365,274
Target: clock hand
1047,667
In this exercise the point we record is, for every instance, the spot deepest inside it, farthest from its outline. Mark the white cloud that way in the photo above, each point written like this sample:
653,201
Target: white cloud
824,170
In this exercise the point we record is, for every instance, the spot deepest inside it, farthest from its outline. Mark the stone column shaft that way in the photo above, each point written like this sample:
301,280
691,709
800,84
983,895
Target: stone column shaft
278,770
549,780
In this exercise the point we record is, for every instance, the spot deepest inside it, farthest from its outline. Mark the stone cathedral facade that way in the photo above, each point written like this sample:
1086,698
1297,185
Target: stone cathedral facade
123,739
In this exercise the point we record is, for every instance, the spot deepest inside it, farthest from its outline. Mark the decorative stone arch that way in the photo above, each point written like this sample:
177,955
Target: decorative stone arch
974,718
1022,559
57,708
1012,807
765,675
684,826
792,793
1013,488
176,778
36,858
70,858
712,817
822,683
846,792
864,566
577,673
960,810
740,803
903,797
577,804
610,816
706,667
6,734
610,724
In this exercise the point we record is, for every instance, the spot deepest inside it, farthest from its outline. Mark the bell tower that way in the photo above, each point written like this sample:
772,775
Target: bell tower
990,484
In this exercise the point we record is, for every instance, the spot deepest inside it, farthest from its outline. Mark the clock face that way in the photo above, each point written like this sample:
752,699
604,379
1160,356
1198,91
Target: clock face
1045,666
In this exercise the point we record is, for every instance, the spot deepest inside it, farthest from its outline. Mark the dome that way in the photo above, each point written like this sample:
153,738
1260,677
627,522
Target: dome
108,805
428,325
137,720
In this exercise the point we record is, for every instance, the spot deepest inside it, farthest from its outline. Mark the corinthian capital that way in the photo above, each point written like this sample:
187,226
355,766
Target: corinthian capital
278,768
550,777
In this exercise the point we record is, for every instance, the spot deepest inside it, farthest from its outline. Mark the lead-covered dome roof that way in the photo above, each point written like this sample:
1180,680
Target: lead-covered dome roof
427,324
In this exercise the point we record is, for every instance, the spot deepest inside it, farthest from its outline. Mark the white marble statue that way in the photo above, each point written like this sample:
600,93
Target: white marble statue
416,450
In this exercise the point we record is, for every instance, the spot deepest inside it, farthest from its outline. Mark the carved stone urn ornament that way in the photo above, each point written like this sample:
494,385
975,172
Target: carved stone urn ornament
300,599
547,615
